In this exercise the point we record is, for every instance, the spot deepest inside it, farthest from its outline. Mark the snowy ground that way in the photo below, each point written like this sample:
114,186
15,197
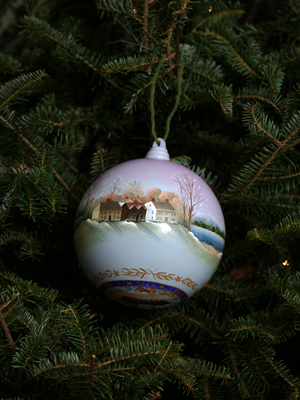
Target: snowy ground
151,246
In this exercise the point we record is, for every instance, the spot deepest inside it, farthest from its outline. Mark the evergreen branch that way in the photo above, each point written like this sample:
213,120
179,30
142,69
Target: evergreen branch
283,177
145,26
198,102
275,367
65,185
205,76
195,367
170,32
29,288
164,356
186,382
154,321
233,51
21,136
91,378
10,236
260,373
59,366
260,127
235,367
259,172
218,289
23,87
7,303
6,331
120,10
21,320
31,351
65,44
198,323
293,59
281,148
138,80
35,150
218,15
9,65
93,68
8,209
40,31
273,74
11,382
16,303
293,306
116,67
291,145
78,326
223,95
243,327
260,98
127,358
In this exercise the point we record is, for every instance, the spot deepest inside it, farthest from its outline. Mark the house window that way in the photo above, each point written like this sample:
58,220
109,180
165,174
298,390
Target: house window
110,212
152,212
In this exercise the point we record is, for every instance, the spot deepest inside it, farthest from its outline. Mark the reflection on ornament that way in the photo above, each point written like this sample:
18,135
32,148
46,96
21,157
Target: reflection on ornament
286,263
149,233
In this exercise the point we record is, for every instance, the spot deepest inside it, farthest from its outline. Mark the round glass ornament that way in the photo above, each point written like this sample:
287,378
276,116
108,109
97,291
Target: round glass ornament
149,233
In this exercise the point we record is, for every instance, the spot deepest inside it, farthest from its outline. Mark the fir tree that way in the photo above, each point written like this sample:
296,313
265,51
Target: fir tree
75,99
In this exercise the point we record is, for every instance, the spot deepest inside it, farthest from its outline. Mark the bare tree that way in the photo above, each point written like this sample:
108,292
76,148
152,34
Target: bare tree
115,187
183,201
135,182
190,195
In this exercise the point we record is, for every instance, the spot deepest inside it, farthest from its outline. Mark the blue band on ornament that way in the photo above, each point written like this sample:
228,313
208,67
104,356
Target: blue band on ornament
151,285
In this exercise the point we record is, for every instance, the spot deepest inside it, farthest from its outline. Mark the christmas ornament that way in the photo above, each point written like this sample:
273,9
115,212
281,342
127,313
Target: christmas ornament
149,233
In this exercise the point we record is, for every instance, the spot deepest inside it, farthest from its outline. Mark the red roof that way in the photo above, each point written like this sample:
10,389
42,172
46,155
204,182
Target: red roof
136,205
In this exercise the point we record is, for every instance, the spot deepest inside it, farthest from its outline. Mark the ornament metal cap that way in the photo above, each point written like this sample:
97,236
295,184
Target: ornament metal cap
158,152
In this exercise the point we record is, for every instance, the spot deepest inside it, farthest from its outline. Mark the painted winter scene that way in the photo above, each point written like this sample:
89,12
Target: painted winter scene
149,233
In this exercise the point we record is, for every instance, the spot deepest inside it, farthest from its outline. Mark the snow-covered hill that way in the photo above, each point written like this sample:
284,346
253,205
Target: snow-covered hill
160,247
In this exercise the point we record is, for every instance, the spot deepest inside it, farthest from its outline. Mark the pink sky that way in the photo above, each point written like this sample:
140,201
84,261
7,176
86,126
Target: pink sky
156,174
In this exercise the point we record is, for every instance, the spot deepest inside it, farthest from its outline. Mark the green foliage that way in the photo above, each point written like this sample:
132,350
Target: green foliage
9,65
75,86
209,227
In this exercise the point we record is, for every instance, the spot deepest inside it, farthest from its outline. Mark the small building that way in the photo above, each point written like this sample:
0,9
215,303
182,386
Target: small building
160,211
134,211
108,211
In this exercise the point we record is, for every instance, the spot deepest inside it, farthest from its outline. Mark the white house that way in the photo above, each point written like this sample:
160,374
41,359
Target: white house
160,211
